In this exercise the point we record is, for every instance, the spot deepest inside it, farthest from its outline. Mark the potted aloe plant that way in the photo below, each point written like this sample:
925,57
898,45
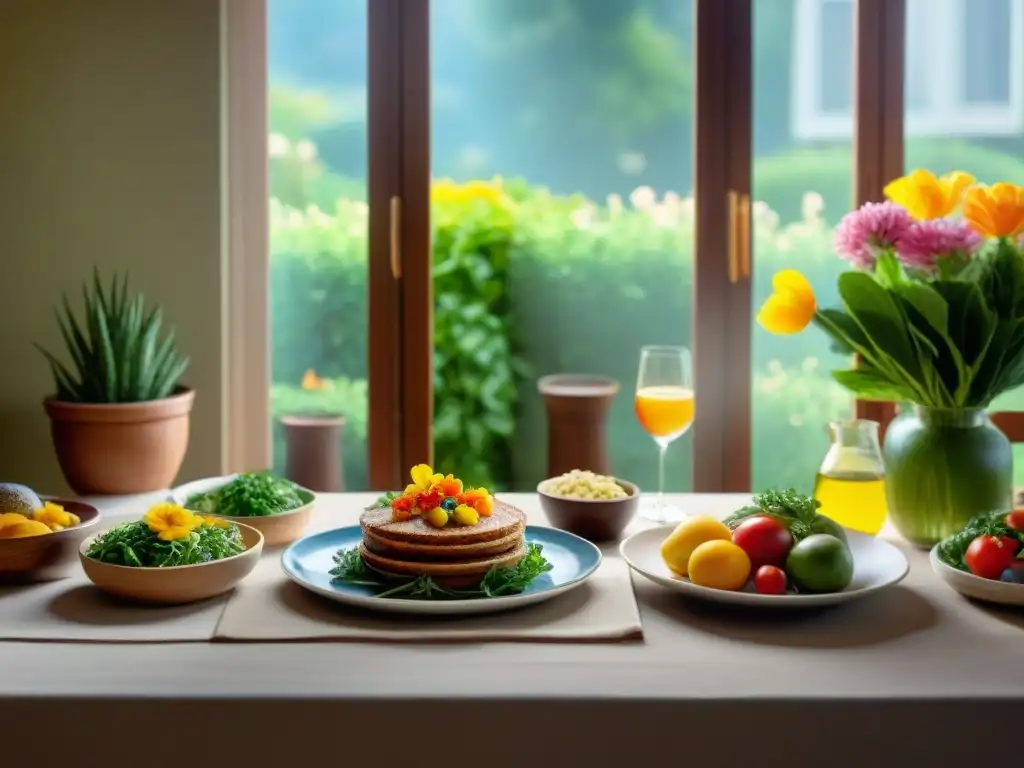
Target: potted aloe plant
120,417
933,309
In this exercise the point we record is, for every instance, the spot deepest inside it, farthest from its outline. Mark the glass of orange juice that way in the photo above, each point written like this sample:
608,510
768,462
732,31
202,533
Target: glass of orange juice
664,407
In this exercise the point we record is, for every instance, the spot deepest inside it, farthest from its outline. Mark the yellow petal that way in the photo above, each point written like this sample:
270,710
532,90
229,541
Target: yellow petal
422,475
955,184
920,193
466,515
781,314
791,281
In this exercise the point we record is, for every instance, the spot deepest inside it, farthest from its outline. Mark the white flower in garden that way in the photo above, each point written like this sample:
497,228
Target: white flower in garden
295,219
584,216
766,218
643,198
687,208
812,206
277,145
809,365
306,150
614,204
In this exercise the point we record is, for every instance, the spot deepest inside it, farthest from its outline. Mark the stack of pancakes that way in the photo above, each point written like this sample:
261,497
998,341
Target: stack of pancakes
454,556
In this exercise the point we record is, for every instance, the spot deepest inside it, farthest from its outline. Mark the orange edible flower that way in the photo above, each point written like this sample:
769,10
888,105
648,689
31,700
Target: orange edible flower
479,499
449,486
215,522
926,196
791,306
996,211
54,517
429,500
312,382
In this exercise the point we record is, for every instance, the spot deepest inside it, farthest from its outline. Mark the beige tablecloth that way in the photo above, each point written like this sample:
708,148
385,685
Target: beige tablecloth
269,606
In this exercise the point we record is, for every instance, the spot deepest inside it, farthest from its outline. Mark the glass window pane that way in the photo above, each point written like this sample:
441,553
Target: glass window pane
801,191
563,236
836,55
987,34
318,223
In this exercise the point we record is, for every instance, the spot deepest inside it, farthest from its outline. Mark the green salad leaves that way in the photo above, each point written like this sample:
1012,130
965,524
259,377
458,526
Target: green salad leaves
251,494
349,568
799,513
136,545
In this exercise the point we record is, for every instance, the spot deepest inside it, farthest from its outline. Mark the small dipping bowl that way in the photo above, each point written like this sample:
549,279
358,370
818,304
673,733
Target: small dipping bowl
282,528
50,556
177,584
596,520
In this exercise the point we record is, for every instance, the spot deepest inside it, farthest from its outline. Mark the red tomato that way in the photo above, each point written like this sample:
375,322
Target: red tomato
1015,520
770,580
765,540
1009,541
988,557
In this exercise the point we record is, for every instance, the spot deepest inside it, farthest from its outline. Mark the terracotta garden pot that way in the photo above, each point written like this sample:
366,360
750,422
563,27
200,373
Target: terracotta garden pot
125,448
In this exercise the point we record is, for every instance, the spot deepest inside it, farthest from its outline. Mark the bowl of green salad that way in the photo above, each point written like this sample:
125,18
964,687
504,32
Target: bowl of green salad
273,505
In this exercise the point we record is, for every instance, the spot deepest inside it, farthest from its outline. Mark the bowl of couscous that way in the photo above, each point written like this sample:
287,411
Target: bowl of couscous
593,506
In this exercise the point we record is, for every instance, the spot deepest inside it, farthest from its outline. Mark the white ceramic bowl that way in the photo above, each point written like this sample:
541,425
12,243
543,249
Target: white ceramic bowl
877,565
282,528
969,585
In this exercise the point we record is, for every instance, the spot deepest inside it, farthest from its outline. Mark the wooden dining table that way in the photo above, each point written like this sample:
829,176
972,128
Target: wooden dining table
915,672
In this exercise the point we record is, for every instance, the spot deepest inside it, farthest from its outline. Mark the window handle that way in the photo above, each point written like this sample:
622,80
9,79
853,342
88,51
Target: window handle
395,223
739,236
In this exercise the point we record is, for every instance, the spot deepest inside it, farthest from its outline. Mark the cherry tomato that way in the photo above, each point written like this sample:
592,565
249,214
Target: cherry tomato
988,557
1015,520
770,580
1012,543
765,540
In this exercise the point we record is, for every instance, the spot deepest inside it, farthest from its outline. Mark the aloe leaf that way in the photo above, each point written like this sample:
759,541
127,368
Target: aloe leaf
73,350
67,387
147,351
77,335
170,380
108,362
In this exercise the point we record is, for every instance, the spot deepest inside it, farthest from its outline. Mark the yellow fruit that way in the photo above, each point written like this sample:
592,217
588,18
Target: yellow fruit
437,517
22,530
466,515
689,535
10,518
719,565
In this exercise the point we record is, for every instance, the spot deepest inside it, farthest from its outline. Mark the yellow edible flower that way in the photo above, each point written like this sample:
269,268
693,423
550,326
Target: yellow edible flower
423,479
55,517
466,515
926,196
996,211
791,306
171,522
437,517
215,522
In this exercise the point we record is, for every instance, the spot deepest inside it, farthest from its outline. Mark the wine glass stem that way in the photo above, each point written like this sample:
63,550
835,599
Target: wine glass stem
662,446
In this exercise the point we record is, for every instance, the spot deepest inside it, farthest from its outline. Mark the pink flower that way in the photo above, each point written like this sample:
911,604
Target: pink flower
874,227
925,242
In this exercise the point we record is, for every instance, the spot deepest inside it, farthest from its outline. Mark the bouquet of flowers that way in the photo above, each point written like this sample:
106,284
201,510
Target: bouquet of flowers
934,304
933,309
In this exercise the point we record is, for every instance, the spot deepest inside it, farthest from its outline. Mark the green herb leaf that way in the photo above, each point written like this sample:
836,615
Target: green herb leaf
135,545
349,568
251,494
951,551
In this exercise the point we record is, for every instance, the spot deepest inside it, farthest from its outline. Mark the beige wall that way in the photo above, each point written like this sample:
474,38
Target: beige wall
109,155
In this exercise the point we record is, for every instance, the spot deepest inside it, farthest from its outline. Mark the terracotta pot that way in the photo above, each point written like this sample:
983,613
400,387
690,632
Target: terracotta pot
110,449
313,445
577,406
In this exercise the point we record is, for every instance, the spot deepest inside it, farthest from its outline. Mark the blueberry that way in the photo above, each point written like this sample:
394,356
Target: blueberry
449,504
1014,574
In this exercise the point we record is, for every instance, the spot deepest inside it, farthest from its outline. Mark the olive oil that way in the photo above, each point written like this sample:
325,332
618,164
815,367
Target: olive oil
855,500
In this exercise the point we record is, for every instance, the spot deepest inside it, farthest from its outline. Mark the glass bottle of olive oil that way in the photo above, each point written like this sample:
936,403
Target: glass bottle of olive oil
851,480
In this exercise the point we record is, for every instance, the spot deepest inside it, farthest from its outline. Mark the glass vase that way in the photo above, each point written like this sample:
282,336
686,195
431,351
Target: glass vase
943,467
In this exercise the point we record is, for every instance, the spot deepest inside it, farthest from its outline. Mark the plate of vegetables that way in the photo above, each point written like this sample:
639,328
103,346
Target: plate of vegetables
985,559
273,505
779,551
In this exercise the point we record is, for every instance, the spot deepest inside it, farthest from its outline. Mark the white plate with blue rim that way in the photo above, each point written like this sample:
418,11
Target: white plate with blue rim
308,562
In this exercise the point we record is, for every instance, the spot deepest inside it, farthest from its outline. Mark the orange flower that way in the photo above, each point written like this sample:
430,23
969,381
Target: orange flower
312,382
791,306
449,486
996,211
401,508
926,196
479,499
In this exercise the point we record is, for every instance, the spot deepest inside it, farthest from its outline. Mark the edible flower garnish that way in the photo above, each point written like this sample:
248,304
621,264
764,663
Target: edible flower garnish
171,522
439,499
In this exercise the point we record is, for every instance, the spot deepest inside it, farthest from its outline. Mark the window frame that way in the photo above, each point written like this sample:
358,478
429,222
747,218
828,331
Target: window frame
948,112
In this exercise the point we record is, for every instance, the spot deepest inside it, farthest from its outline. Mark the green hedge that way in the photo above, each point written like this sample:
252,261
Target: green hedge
527,283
